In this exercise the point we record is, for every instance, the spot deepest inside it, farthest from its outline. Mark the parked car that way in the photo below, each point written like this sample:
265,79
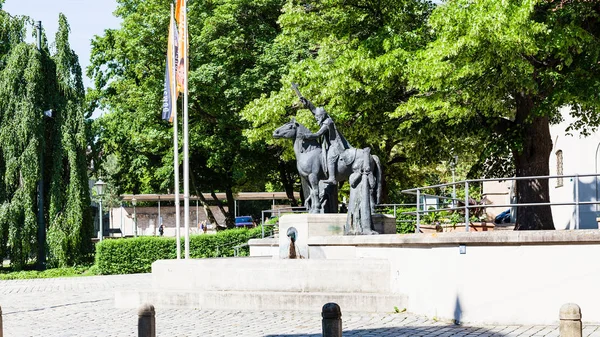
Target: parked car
244,221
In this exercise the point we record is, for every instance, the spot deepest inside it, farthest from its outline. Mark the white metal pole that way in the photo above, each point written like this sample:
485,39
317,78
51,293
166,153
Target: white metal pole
454,162
466,205
418,226
453,189
576,201
176,151
186,164
122,228
135,226
159,221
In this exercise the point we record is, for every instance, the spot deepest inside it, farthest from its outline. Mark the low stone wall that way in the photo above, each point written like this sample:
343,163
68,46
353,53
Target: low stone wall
498,277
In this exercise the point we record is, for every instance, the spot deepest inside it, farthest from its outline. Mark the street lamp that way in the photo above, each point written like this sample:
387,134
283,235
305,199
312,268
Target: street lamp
134,202
100,190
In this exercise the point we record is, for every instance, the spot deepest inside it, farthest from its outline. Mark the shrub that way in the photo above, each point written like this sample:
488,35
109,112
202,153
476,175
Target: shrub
132,255
135,255
405,223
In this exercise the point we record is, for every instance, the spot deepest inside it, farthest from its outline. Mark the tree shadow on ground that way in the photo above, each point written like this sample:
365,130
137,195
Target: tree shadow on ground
411,331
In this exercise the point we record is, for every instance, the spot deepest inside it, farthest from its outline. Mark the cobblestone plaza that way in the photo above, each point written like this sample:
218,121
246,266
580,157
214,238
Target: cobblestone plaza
84,306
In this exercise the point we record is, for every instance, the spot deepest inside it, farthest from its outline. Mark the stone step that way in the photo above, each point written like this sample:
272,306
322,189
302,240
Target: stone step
273,300
278,275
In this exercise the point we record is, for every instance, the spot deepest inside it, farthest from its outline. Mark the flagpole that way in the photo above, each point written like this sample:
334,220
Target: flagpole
186,164
175,144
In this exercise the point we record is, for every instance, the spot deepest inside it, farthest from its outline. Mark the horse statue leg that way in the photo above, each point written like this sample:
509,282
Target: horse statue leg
315,205
376,189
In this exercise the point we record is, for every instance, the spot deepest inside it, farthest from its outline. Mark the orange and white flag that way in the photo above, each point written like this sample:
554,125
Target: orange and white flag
182,45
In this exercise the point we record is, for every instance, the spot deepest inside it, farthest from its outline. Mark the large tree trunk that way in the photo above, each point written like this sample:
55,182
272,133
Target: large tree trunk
207,211
532,160
221,208
230,215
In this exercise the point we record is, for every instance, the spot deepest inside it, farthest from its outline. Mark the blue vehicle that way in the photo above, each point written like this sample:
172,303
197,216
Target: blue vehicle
503,217
244,221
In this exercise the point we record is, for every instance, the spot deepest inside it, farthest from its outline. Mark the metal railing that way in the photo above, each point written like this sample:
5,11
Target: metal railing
466,183
302,209
395,206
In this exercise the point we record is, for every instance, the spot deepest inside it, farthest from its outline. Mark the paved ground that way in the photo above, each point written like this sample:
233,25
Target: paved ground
84,306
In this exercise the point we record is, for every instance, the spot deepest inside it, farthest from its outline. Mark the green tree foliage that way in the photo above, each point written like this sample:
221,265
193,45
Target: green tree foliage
505,68
226,41
70,222
349,56
31,82
478,79
21,92
128,68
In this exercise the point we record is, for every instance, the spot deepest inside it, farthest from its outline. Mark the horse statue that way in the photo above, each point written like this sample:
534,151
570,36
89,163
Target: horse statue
322,197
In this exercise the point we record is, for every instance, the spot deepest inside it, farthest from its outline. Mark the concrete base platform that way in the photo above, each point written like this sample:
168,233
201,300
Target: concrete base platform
259,300
361,285
267,274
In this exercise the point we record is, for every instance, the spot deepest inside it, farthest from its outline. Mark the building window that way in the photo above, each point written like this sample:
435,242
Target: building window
559,168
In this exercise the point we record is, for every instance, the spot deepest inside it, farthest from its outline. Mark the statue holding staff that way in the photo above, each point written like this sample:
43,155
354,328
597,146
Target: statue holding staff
331,140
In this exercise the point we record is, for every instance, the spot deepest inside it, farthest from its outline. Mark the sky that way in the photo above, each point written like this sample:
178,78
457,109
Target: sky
87,18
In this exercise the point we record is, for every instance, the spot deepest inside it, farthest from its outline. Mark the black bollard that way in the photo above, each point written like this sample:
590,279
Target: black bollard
146,321
332,320
1,334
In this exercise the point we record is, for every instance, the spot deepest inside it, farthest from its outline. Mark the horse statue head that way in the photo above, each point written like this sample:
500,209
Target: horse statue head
293,130
287,130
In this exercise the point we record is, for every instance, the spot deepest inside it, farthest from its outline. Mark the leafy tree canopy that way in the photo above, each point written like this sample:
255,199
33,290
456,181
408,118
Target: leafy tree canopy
226,41
33,81
349,56
506,67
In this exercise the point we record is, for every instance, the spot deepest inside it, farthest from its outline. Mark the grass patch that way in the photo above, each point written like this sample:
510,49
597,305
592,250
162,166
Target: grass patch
49,273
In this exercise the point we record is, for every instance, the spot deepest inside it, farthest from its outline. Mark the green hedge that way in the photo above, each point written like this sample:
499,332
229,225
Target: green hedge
135,255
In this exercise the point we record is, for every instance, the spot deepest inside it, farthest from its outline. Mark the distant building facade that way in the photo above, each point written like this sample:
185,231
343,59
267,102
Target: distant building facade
148,220
574,154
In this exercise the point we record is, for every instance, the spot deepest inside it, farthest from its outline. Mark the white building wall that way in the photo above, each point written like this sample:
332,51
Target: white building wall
510,284
580,156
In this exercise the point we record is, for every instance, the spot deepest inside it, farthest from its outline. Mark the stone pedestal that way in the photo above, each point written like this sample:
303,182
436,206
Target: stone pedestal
310,225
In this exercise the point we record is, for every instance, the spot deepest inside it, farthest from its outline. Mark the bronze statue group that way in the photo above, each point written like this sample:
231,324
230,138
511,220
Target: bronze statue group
324,159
